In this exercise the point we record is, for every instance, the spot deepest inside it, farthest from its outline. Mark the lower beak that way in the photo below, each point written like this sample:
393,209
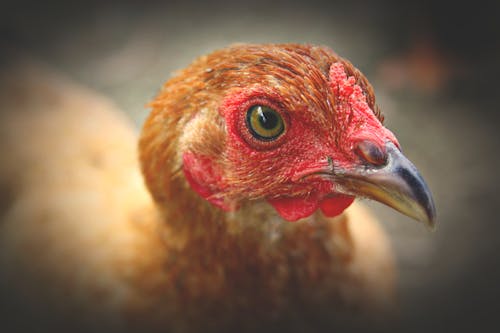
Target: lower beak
398,184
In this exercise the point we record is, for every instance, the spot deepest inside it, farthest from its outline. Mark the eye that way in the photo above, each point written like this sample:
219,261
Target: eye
264,123
371,153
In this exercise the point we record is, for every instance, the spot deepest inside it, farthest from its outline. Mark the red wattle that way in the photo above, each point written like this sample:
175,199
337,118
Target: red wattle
293,209
334,206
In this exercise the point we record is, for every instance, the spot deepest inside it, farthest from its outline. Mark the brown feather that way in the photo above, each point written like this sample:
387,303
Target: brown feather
82,239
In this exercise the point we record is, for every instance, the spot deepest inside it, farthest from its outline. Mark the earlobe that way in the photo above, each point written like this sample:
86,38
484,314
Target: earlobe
204,178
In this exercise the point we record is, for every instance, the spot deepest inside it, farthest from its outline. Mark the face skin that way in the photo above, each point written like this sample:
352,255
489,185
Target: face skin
319,144
308,147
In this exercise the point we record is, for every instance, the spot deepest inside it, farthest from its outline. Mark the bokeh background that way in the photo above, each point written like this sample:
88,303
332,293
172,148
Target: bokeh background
434,66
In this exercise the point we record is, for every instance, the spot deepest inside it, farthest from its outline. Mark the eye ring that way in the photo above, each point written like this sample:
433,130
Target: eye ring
264,123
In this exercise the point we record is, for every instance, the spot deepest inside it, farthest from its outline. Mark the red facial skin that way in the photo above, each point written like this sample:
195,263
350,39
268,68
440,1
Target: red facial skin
203,178
287,171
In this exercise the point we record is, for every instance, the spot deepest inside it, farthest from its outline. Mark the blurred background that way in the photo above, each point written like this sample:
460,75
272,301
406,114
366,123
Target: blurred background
434,66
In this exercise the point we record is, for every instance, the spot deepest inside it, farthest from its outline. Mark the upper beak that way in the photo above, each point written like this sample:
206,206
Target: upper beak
397,183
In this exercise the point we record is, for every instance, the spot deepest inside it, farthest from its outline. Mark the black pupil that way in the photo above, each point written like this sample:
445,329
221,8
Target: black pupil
268,119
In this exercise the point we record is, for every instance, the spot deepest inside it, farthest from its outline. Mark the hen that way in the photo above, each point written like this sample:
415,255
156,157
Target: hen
236,145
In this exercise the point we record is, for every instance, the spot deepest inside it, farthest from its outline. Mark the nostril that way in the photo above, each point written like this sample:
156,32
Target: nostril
371,153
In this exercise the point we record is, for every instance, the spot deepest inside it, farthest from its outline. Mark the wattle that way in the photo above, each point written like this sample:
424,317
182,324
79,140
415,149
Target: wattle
295,208
334,206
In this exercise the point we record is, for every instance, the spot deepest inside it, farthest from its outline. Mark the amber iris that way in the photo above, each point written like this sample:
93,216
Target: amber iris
264,123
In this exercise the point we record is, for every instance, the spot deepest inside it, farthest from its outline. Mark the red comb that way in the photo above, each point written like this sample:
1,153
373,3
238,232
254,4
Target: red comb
348,95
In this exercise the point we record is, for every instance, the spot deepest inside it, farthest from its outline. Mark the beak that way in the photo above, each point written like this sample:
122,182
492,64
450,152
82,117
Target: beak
397,184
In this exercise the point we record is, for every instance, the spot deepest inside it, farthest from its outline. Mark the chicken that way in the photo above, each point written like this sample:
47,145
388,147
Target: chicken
251,155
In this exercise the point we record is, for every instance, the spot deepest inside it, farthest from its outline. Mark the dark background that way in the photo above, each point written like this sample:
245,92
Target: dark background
434,66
